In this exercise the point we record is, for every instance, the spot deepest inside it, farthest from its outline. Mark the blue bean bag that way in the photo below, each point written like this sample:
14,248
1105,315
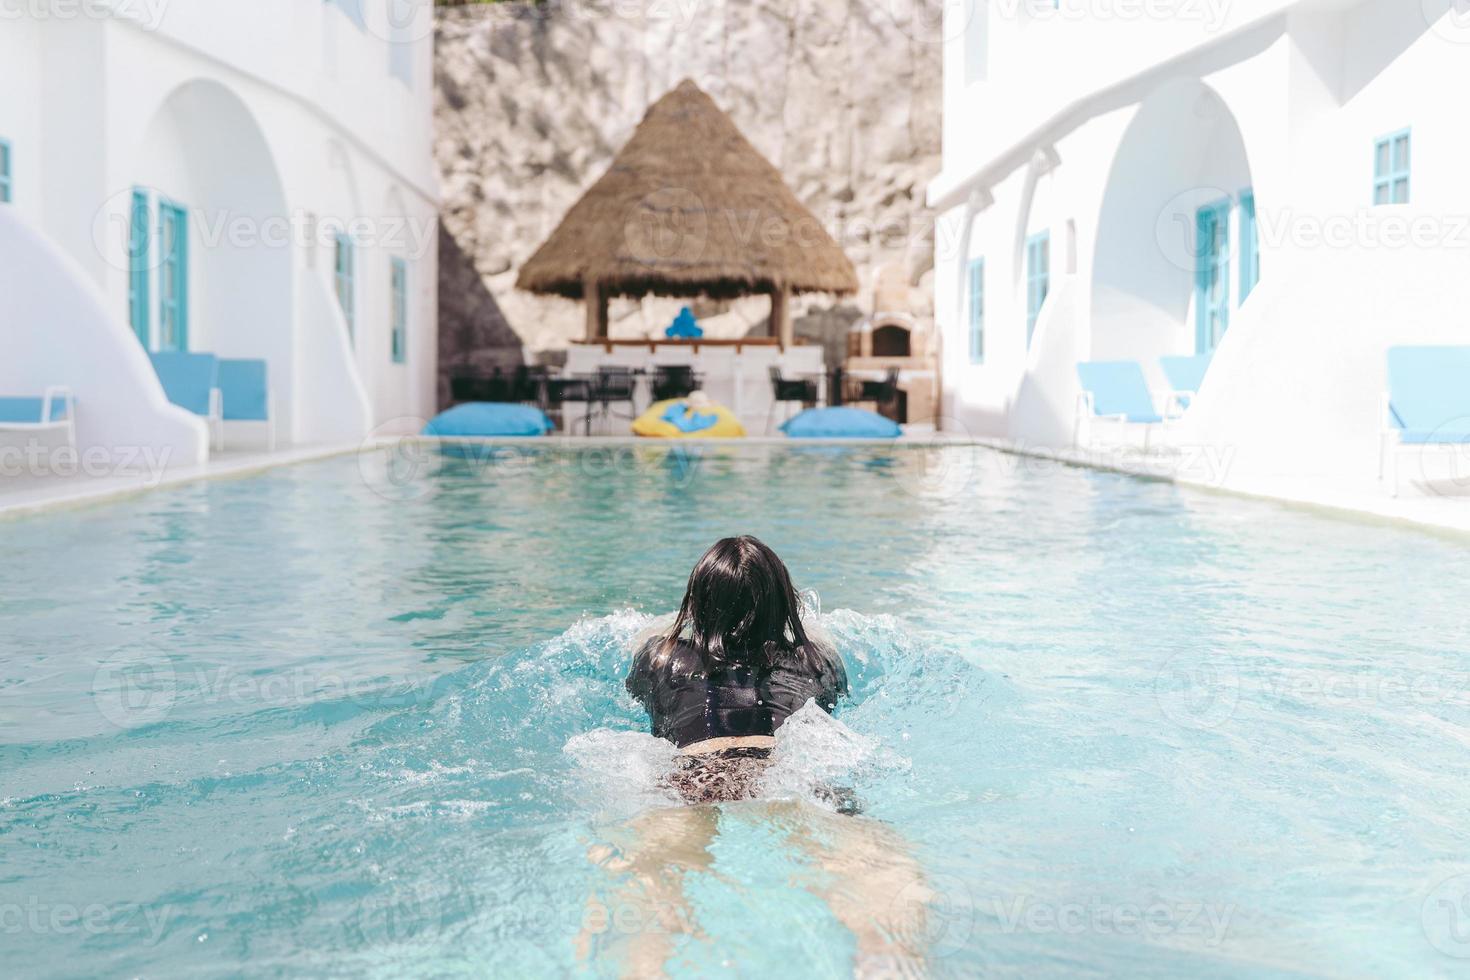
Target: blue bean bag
489,419
840,422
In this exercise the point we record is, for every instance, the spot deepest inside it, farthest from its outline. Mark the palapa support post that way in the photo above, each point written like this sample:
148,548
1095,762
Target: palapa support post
596,299
781,316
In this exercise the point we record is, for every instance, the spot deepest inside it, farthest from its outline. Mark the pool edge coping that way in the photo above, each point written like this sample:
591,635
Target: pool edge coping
1391,510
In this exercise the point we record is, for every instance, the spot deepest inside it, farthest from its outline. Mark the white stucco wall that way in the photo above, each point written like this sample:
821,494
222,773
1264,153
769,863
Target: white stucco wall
272,124
1294,392
1285,99
58,331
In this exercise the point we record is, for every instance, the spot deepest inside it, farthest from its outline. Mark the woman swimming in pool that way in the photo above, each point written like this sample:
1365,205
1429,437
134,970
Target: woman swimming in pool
736,663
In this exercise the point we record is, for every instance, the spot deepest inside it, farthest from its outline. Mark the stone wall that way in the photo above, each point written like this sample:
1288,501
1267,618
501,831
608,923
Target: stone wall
533,101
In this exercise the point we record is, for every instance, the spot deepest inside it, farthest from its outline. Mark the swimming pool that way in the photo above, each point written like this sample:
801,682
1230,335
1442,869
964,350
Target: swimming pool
366,716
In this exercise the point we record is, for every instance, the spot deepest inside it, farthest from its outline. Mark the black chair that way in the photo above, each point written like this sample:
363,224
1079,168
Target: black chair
783,389
611,386
674,381
528,385
880,392
555,392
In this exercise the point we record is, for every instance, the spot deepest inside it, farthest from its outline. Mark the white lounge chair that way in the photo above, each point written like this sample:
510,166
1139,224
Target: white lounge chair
1427,403
1116,392
246,396
54,411
191,381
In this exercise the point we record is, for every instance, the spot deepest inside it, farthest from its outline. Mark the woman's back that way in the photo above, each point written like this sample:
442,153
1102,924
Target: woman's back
690,701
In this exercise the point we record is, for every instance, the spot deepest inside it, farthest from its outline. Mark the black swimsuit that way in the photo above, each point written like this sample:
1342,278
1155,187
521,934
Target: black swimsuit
687,703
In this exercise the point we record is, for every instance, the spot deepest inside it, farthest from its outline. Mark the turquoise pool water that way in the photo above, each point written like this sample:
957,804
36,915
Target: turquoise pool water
365,716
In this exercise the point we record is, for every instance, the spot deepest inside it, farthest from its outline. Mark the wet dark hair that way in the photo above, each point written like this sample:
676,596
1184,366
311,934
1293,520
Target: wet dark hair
740,608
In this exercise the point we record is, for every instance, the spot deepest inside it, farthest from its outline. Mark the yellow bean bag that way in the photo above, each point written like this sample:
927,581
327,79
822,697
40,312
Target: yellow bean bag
679,418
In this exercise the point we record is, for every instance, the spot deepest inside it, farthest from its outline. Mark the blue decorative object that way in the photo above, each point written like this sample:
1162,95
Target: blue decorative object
684,326
840,422
489,419
684,418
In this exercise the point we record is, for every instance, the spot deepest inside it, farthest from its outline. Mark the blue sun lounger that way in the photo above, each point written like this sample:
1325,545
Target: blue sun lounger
246,396
55,410
191,381
1185,375
1427,402
1115,391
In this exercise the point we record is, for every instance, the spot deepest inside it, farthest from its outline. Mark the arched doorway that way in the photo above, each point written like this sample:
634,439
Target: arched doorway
1175,251
211,250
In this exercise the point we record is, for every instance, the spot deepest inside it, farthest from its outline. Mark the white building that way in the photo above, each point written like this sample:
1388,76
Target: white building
1282,183
250,180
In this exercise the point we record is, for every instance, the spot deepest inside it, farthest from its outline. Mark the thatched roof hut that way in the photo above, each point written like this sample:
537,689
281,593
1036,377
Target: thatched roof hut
689,207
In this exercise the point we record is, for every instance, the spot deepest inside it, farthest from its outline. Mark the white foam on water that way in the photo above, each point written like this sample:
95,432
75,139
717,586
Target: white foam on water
624,770
621,770
816,753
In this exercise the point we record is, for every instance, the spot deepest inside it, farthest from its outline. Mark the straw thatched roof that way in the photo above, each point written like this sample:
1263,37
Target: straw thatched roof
688,207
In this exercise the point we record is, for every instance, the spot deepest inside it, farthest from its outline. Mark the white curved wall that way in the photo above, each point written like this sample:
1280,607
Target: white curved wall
1044,404
58,330
204,150
1294,390
1182,151
334,405
261,120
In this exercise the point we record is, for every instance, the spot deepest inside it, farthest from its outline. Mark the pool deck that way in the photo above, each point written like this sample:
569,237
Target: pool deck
20,495
1448,511
1445,511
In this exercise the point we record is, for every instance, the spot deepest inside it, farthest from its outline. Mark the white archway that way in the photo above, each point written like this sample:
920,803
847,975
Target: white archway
1183,151
203,151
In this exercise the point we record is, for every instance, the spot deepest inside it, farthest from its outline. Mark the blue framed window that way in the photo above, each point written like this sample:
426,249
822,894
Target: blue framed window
977,311
1212,275
4,171
353,10
399,313
343,264
1391,169
173,277
1250,245
1038,278
139,246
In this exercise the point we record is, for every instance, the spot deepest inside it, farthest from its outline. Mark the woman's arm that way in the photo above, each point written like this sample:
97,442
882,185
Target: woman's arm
639,682
833,676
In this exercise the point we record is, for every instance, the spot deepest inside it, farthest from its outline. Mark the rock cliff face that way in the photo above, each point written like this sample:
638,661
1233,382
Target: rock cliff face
533,101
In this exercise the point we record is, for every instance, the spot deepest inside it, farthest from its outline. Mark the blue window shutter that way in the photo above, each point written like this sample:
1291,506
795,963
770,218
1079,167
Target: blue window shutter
1250,245
399,311
139,267
1212,275
344,282
1038,279
173,277
1391,169
5,188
